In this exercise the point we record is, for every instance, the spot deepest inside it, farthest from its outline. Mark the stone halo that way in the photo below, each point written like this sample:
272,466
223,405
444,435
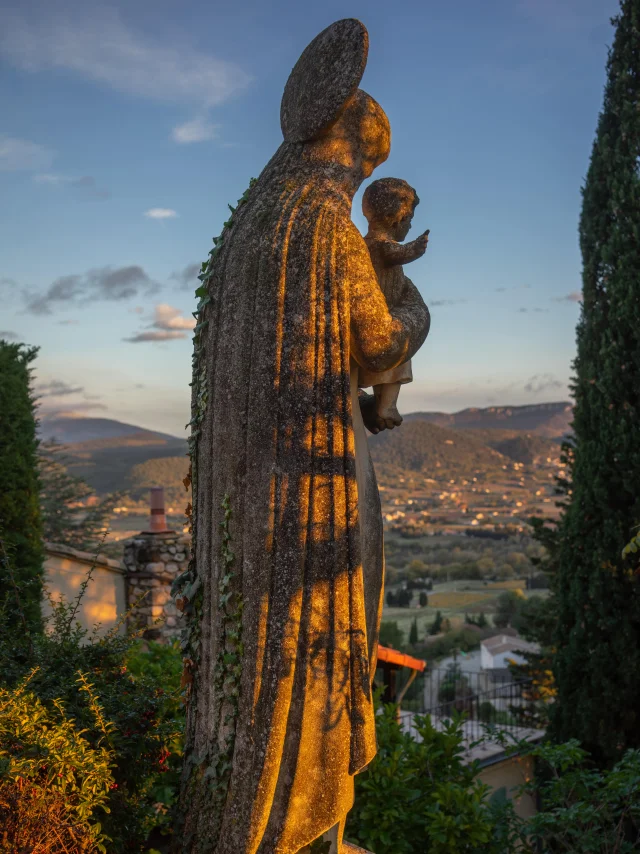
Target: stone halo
323,80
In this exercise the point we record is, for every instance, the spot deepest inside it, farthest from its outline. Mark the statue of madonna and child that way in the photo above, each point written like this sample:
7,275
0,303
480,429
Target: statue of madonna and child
283,596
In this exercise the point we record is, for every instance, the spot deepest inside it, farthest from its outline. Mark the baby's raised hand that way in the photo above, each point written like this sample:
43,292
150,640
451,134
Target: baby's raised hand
422,241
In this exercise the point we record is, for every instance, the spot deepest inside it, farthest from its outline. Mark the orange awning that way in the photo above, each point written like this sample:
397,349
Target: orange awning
392,656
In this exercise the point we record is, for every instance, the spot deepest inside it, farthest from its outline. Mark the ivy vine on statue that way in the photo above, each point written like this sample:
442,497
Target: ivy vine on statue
283,595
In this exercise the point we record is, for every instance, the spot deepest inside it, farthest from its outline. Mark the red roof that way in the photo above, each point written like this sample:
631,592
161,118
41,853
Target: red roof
392,656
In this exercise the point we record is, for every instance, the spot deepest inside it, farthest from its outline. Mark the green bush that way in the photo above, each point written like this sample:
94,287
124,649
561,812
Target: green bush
54,784
464,640
584,809
142,708
418,796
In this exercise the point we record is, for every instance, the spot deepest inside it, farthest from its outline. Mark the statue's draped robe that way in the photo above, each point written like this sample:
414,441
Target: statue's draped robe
294,301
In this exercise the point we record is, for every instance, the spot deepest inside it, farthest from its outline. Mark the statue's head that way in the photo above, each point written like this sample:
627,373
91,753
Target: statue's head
323,108
359,140
389,203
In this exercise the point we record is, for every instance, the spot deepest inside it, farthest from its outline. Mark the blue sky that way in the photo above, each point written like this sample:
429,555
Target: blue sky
125,128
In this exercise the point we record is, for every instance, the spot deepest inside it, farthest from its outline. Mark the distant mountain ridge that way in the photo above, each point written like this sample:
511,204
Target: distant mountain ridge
73,429
550,420
104,452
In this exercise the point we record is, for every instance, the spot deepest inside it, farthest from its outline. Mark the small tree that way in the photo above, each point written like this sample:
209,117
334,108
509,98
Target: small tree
413,632
65,517
21,558
507,606
436,626
404,598
391,599
424,599
391,634
597,656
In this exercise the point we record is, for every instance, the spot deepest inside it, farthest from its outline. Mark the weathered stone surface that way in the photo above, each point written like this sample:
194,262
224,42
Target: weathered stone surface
151,568
323,80
288,529
389,205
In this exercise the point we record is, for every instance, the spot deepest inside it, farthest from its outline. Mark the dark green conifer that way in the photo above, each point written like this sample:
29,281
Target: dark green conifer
597,641
21,551
413,632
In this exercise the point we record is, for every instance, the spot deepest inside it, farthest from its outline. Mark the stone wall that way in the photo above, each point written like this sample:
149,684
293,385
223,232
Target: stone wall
152,561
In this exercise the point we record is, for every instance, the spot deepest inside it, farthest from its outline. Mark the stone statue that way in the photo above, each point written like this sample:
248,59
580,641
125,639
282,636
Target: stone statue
389,205
284,593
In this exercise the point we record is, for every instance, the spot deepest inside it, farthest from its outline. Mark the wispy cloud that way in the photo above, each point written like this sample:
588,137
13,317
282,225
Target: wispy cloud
154,336
574,296
541,382
57,388
54,397
168,324
168,317
160,213
86,183
54,407
514,288
199,129
106,283
91,40
438,302
68,322
22,154
8,335
186,277
536,310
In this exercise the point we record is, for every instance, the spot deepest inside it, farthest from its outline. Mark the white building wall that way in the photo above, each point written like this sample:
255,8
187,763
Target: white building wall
503,659
486,659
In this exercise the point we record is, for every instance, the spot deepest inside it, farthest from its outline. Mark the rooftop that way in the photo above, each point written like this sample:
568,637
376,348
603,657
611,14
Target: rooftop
505,643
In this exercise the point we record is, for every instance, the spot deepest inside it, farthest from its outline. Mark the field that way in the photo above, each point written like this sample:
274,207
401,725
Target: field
454,599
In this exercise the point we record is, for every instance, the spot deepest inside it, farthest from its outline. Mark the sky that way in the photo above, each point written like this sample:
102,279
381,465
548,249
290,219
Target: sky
126,128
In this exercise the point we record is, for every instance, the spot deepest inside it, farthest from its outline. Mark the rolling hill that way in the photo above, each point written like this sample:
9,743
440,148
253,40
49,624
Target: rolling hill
72,429
112,456
104,452
419,446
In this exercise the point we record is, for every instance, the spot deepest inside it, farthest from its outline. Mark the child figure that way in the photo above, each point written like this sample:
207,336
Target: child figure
389,205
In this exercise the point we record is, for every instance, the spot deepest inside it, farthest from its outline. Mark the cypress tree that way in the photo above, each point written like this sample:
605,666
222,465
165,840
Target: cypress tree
21,555
597,640
413,632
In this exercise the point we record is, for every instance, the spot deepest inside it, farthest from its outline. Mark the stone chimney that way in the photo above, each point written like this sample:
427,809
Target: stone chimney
157,516
152,560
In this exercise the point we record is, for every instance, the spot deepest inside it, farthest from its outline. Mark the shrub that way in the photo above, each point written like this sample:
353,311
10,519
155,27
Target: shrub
143,710
464,639
54,784
417,795
584,809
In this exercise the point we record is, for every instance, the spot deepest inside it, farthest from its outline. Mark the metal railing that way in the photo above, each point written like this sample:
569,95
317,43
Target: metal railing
484,698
